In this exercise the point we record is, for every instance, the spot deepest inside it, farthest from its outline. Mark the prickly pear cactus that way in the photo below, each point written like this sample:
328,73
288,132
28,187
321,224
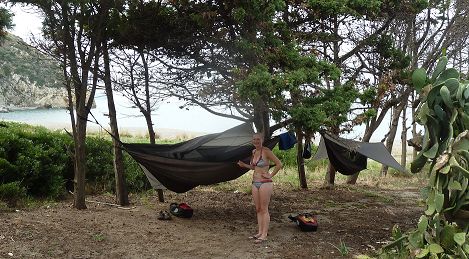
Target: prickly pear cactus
444,112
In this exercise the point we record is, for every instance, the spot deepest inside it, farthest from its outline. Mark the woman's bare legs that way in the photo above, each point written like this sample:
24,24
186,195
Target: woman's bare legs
261,199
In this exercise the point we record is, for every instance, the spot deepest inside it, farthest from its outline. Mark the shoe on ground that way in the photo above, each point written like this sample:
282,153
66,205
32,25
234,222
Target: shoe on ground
167,216
161,216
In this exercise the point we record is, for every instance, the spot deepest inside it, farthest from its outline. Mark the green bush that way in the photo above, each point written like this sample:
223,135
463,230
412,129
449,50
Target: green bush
12,192
135,178
288,157
38,160
34,157
100,170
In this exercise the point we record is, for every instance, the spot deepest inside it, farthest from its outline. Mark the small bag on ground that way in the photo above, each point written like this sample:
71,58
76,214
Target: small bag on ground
181,210
305,221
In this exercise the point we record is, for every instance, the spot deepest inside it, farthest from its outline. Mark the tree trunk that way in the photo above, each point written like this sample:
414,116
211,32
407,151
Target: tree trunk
329,179
80,165
300,160
403,139
370,129
79,141
392,133
262,121
330,176
147,111
414,129
118,160
151,131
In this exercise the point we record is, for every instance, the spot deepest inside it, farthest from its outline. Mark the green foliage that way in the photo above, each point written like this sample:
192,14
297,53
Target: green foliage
293,75
239,14
34,157
394,58
98,238
35,161
12,192
433,238
6,70
342,248
328,109
368,96
134,177
445,148
288,157
419,5
99,155
6,22
340,7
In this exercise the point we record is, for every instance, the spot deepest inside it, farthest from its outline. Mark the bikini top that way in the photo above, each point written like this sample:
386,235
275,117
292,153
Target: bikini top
259,162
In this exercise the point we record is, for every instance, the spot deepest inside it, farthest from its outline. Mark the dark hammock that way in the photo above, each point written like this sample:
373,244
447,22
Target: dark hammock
203,160
350,157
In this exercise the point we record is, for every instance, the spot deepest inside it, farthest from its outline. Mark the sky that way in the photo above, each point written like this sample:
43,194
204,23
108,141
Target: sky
27,23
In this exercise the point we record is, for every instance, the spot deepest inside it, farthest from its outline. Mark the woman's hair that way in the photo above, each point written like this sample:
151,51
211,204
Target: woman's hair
260,134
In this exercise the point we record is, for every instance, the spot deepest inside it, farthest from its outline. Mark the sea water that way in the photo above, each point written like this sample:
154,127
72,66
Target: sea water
167,116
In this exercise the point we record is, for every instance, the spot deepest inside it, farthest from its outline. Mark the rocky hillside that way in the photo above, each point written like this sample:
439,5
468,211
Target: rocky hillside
28,78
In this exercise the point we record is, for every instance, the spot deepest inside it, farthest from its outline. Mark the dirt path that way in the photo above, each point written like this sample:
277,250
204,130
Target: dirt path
361,217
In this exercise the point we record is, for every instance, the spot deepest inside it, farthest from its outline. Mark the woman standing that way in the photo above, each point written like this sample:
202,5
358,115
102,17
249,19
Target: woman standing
262,183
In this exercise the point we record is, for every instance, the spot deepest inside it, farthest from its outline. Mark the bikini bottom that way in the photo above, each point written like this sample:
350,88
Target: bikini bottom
259,183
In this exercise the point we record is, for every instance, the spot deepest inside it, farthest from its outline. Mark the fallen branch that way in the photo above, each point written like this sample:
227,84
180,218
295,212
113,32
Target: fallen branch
112,204
105,203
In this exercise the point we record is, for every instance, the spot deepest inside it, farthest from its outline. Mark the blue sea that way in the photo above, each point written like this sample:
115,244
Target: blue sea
167,116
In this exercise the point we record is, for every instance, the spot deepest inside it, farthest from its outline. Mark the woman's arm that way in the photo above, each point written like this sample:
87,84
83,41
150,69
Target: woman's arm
242,164
277,162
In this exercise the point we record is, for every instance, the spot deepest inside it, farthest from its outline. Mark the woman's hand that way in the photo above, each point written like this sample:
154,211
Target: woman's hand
266,175
241,163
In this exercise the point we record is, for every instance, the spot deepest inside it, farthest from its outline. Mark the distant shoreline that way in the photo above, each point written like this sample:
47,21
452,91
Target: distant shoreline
168,134
163,133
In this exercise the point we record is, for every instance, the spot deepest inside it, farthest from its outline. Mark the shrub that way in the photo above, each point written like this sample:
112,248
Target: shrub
135,178
38,161
288,157
100,169
12,192
34,157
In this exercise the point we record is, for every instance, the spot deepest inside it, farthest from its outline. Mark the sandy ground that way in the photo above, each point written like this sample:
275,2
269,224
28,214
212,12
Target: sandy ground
361,217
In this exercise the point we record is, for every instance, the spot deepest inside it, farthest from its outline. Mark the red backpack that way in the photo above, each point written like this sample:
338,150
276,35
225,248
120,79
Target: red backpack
181,210
305,221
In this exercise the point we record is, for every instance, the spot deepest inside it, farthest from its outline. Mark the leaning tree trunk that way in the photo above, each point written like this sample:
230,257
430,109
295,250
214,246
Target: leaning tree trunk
352,179
329,179
392,133
122,197
147,112
300,160
151,132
